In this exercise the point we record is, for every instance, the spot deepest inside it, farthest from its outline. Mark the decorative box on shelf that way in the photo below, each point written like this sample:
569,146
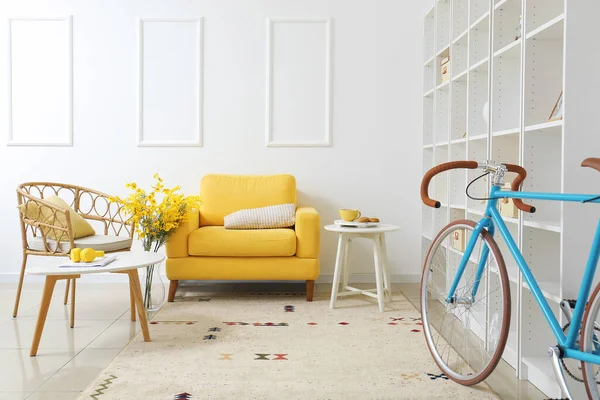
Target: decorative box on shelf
458,239
444,68
507,207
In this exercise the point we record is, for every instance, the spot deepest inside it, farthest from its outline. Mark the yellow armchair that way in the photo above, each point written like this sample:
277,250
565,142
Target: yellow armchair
202,249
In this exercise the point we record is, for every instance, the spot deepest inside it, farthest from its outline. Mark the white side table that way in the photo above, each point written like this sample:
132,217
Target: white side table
127,262
382,274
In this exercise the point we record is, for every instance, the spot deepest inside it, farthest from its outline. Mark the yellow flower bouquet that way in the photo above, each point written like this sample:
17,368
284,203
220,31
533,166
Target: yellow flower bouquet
156,214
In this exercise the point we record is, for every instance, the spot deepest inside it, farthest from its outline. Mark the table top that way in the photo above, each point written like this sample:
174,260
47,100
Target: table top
380,228
125,261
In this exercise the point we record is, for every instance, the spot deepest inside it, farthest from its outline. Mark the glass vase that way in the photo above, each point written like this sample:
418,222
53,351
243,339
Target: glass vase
153,288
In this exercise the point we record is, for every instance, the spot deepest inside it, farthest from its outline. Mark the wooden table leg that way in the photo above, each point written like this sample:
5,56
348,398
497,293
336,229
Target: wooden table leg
136,288
39,327
73,302
67,292
132,302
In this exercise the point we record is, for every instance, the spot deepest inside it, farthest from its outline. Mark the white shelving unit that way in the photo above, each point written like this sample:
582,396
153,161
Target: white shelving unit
514,58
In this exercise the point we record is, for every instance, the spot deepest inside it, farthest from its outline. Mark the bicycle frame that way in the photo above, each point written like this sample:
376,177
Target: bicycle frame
491,220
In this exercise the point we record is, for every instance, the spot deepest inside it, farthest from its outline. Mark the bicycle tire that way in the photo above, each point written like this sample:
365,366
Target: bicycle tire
591,311
506,306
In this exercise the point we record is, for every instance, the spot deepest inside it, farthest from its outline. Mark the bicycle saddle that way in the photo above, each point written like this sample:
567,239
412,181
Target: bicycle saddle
592,163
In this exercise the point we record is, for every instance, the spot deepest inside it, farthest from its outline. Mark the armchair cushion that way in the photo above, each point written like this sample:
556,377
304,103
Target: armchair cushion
80,227
97,242
279,216
220,242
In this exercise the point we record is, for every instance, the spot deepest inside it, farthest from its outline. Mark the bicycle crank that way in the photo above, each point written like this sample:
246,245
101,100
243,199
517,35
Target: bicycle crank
554,353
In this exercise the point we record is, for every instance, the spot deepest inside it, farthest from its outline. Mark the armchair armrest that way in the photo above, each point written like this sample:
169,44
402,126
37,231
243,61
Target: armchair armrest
308,233
177,242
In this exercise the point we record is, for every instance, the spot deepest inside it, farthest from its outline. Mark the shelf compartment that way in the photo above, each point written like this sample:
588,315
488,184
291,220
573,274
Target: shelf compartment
458,118
427,120
443,24
460,17
512,269
428,76
459,59
541,250
512,50
478,96
539,13
542,150
505,149
440,182
441,116
539,371
535,336
425,245
506,93
426,221
507,24
479,41
458,177
429,34
427,159
551,30
478,152
543,79
440,218
478,9
438,68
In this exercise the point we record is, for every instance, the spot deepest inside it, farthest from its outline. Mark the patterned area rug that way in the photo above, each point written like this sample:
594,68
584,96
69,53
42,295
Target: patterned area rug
278,346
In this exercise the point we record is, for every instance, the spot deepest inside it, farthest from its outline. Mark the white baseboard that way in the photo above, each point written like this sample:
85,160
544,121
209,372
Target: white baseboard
110,278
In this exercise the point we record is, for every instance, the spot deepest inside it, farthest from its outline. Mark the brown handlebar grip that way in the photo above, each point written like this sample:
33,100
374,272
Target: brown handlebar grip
436,170
516,185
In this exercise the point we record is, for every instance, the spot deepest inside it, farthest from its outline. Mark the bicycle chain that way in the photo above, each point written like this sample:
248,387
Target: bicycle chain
564,365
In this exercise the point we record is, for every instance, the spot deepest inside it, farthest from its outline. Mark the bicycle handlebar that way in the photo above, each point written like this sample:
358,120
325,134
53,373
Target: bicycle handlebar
516,184
522,174
439,169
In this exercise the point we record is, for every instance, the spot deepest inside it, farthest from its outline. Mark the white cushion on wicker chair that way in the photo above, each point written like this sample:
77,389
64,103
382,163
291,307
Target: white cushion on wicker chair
96,242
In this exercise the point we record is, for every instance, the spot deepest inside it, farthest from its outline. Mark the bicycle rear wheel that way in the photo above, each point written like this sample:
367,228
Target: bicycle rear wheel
466,337
590,343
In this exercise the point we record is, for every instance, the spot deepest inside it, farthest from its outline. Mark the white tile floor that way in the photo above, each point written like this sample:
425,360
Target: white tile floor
68,359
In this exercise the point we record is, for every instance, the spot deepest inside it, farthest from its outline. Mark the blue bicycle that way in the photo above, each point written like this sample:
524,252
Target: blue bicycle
465,295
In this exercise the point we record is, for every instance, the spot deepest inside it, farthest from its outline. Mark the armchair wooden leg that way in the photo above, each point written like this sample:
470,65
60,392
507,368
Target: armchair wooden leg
67,292
172,289
310,289
21,276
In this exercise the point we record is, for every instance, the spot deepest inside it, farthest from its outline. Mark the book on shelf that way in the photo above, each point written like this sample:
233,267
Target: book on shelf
100,262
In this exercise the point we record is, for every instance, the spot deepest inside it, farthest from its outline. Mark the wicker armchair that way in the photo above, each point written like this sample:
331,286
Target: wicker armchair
42,239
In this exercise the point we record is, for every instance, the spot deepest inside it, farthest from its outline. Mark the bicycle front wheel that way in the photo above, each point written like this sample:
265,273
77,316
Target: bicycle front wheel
466,336
590,343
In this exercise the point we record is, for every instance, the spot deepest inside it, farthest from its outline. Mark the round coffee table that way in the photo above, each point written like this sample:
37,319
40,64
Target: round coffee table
127,262
382,275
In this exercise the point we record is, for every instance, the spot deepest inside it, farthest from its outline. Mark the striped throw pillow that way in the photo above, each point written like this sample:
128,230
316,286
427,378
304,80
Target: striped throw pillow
279,216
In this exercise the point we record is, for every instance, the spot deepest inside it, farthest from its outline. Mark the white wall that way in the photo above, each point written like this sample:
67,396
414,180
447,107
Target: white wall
373,163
